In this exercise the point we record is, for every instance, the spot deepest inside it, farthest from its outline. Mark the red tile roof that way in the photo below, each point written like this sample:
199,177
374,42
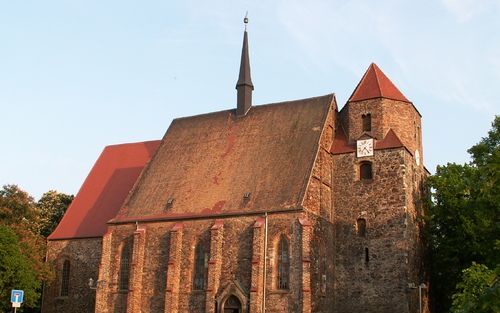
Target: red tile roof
391,140
105,189
206,163
340,144
375,84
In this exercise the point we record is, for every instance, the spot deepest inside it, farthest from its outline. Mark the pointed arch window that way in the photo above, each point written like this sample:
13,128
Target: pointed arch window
367,122
365,170
65,279
283,264
200,267
125,261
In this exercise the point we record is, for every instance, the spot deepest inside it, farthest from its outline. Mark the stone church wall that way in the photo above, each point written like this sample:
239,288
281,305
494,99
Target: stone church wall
234,267
371,269
84,256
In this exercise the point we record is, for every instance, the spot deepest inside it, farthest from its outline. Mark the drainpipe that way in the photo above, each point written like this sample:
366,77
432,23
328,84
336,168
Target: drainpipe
265,266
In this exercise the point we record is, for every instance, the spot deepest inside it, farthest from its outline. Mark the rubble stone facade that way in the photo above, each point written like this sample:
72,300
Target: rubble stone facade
342,242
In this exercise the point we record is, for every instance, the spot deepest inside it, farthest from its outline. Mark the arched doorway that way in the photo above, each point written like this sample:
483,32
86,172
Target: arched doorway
232,305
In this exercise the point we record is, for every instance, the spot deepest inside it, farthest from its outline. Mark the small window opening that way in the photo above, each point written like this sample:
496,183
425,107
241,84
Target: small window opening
200,267
367,255
365,170
65,279
367,122
246,195
283,265
361,227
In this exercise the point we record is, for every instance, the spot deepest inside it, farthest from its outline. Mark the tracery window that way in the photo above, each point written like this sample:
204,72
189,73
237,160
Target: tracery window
200,267
65,279
125,261
283,264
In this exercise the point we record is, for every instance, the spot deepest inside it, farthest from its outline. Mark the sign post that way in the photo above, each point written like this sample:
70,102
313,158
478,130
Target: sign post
16,297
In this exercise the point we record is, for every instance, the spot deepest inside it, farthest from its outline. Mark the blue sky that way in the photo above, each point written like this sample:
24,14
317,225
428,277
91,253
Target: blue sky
78,75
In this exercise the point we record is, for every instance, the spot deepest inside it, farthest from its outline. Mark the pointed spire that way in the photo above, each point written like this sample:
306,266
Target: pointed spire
244,85
375,84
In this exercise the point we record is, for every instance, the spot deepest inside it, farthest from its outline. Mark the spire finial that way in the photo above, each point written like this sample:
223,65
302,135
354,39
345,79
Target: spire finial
245,20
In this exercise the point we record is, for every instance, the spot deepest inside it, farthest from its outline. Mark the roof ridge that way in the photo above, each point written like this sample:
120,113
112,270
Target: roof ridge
116,145
332,94
375,67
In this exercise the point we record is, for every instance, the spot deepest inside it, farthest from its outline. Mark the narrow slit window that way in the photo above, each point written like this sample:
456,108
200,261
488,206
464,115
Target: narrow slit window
200,267
125,261
65,279
361,227
367,255
283,266
365,170
367,122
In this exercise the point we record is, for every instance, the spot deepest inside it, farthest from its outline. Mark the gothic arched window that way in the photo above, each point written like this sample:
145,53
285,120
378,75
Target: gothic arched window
65,279
361,227
283,263
125,261
367,122
200,267
365,170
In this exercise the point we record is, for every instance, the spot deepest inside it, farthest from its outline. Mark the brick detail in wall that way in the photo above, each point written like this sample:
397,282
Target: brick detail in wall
135,288
214,265
257,266
173,269
103,282
306,264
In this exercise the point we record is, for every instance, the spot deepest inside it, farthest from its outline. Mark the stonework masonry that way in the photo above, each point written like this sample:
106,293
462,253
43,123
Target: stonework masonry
335,241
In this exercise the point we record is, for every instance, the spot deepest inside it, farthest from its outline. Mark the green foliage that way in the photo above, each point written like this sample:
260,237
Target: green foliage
16,205
24,225
16,270
52,206
479,291
464,217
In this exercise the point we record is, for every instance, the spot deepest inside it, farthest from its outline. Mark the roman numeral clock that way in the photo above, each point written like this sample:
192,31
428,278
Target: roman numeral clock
364,147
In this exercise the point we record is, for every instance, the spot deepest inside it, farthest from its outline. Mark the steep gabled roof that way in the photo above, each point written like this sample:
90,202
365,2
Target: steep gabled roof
207,163
375,84
104,191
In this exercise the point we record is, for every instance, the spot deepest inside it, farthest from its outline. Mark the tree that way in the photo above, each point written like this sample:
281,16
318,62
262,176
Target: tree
478,291
16,270
52,206
464,217
16,205
22,257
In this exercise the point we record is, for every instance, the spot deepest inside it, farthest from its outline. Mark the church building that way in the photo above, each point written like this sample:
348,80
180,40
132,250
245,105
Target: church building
294,206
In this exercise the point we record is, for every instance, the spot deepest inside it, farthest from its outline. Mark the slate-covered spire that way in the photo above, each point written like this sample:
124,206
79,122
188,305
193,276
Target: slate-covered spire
244,85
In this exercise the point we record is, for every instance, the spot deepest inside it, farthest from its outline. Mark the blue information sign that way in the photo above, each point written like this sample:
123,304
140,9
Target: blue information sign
17,296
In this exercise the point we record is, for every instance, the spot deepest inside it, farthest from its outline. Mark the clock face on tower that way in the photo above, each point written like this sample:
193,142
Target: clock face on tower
364,147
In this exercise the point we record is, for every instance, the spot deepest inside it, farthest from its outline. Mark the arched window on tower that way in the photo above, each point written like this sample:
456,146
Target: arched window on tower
365,170
125,261
65,279
283,263
367,122
361,227
200,267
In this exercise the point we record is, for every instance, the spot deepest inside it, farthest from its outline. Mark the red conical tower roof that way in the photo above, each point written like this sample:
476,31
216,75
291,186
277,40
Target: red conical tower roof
375,84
